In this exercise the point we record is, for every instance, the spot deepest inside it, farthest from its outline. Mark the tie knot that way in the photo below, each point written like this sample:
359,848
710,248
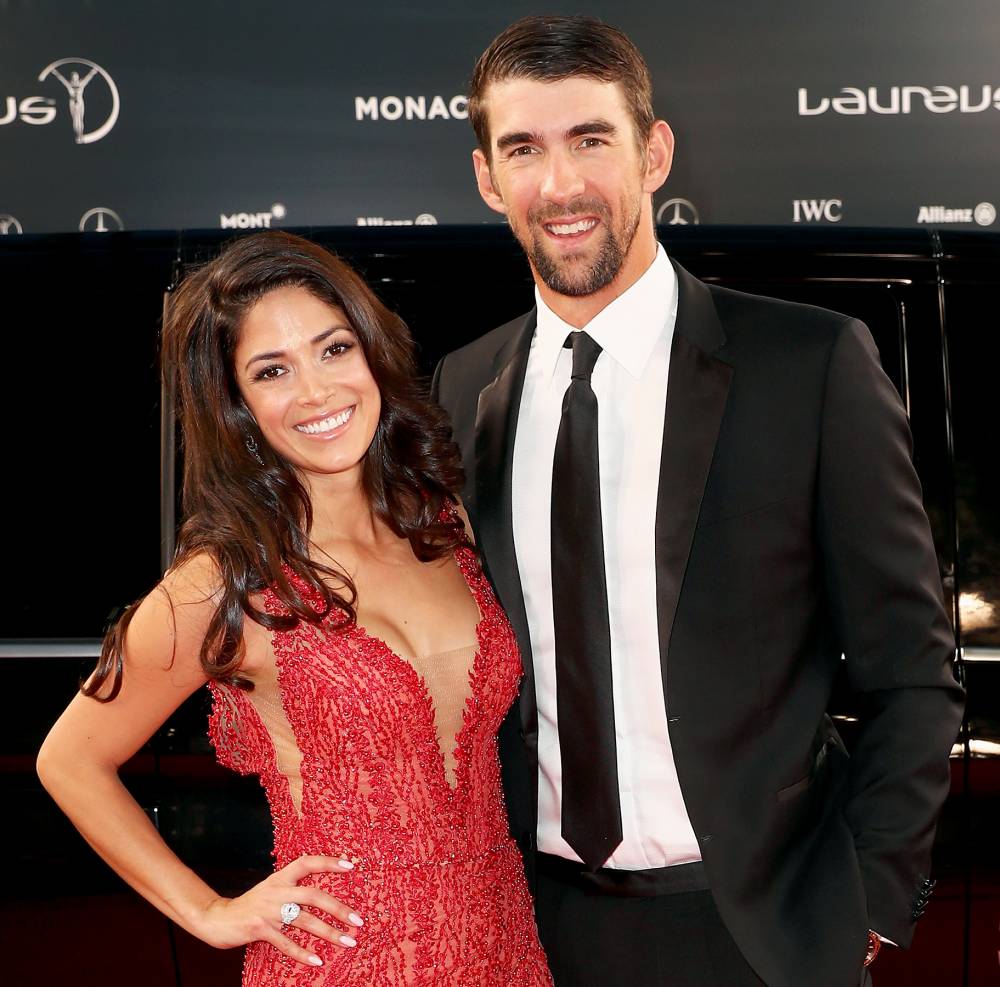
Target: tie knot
585,354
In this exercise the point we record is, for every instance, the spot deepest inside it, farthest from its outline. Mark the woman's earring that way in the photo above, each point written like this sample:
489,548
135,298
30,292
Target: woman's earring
253,448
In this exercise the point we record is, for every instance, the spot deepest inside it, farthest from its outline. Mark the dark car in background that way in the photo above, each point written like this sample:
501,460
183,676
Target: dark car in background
91,468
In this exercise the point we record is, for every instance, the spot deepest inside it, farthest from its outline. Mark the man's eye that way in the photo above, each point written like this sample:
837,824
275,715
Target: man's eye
521,152
591,142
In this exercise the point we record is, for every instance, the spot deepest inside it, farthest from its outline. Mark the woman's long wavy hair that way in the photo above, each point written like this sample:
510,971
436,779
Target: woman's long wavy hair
253,519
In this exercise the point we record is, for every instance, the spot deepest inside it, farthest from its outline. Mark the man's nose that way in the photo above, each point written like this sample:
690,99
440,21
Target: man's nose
563,180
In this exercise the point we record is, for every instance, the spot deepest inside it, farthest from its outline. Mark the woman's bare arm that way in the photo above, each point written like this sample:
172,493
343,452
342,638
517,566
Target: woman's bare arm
79,761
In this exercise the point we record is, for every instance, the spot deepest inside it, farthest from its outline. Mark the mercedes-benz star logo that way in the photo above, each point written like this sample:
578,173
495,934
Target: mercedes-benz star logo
677,212
96,220
9,225
75,83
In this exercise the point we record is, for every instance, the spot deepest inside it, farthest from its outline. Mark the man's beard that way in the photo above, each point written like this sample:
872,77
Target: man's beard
559,274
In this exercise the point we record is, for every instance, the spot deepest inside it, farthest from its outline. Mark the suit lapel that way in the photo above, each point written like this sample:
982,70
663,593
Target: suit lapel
496,426
697,388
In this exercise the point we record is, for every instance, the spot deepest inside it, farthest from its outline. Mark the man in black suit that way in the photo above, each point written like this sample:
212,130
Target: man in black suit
692,502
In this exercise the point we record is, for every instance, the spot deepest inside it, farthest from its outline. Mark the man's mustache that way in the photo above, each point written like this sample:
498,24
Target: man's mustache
575,207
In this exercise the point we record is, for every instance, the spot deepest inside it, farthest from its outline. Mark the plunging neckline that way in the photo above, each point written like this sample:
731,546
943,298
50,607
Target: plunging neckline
421,689
437,876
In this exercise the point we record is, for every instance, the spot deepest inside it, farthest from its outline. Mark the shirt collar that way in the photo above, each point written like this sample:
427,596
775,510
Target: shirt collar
628,328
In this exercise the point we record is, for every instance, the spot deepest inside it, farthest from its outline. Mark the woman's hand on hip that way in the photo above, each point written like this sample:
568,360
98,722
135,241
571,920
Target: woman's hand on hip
257,914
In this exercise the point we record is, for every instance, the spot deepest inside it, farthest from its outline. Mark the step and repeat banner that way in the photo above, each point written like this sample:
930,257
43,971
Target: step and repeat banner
144,116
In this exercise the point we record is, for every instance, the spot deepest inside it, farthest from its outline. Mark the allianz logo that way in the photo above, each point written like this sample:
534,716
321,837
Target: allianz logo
984,214
410,108
252,220
901,99
424,219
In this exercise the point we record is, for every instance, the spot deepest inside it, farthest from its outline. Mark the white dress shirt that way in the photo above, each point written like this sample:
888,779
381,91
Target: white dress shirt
630,381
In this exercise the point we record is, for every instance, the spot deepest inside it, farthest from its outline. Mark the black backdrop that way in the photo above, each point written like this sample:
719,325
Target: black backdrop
257,113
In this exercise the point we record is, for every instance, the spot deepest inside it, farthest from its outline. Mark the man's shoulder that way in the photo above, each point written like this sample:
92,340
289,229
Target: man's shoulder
736,308
483,351
464,372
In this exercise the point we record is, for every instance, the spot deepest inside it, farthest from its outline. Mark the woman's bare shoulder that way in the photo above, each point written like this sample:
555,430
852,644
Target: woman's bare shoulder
171,622
193,581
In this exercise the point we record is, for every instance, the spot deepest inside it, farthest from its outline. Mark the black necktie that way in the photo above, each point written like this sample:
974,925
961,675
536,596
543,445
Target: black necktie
591,814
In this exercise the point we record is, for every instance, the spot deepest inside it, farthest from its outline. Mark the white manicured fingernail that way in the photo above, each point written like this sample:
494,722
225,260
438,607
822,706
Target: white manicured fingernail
315,961
348,941
346,865
356,919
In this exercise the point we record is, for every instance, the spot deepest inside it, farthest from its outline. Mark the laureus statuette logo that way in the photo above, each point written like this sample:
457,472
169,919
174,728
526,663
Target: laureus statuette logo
76,74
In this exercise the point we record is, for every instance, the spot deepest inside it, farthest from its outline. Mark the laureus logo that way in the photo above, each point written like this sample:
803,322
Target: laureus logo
91,95
9,225
76,82
896,100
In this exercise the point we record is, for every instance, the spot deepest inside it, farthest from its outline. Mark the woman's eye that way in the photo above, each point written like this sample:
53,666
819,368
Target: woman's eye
336,349
269,373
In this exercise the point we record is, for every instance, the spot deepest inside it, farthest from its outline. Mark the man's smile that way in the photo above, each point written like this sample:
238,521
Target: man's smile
576,229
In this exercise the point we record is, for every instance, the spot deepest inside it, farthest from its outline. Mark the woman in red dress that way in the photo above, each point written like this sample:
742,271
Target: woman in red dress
326,589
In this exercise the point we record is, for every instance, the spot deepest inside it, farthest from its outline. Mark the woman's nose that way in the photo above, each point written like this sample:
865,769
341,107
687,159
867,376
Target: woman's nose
316,387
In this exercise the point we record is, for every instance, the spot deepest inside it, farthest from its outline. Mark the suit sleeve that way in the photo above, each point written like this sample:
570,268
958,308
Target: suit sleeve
885,591
436,381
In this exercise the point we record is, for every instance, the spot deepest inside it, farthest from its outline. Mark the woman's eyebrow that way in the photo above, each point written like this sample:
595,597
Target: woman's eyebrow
277,354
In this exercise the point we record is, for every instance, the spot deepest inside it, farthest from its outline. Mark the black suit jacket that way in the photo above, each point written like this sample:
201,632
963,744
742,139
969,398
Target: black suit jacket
789,531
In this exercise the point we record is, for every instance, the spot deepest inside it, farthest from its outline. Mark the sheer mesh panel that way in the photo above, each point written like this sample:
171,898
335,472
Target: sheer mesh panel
266,700
446,677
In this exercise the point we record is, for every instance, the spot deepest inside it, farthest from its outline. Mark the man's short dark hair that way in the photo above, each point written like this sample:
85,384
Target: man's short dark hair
550,49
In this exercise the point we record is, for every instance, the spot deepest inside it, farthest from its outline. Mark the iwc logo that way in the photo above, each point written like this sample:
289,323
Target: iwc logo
677,212
817,210
9,225
100,220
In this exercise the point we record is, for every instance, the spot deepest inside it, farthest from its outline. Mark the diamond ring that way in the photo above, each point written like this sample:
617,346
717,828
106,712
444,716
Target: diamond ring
289,912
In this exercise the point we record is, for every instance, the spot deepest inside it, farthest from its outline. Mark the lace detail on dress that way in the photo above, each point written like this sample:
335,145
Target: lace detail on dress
398,770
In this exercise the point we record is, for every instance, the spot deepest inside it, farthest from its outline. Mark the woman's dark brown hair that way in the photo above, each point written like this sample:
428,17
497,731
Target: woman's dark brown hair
253,518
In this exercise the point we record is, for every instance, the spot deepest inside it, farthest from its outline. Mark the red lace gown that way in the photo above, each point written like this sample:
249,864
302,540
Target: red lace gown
363,756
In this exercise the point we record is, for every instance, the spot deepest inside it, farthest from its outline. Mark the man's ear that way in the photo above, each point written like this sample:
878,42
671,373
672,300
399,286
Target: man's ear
659,156
484,182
